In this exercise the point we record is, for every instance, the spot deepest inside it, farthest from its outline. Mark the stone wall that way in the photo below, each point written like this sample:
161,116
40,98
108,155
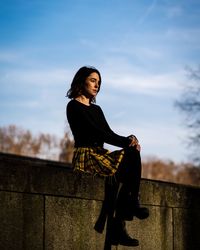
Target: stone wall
45,206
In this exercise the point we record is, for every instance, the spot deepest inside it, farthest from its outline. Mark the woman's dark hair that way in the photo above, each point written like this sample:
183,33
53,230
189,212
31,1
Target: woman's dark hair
78,82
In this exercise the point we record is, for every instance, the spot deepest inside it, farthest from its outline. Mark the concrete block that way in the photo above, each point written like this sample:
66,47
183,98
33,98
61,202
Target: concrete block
155,232
65,182
45,205
69,224
186,229
169,194
26,174
21,217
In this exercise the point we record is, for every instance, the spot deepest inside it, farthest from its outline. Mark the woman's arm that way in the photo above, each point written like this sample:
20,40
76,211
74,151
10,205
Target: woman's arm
91,124
111,137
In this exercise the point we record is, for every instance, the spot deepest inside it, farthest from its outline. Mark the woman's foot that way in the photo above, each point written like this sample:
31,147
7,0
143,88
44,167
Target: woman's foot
118,234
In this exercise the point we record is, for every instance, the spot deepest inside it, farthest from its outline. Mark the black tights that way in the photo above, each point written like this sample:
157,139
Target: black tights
129,172
129,175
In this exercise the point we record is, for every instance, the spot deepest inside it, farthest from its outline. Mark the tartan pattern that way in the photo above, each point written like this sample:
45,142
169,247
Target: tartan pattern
97,160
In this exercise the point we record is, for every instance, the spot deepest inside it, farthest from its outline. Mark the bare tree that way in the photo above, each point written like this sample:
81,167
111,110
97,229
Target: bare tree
189,104
66,148
157,169
17,140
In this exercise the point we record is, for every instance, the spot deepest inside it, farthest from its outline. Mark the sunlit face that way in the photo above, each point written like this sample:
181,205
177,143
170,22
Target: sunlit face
92,85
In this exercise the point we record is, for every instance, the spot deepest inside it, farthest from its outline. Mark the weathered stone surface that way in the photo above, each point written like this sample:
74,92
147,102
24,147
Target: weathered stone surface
26,174
186,229
49,177
156,232
69,224
169,194
62,181
21,217
44,205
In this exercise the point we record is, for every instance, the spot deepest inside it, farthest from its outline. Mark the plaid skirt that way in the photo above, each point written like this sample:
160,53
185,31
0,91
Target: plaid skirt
97,160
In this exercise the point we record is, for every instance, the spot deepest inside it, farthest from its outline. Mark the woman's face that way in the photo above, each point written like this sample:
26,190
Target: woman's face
92,85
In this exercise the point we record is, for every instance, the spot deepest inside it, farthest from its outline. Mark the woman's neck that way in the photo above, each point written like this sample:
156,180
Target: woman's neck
83,99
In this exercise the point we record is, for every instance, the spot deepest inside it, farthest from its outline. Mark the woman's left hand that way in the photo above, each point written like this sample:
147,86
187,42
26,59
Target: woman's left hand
138,147
134,142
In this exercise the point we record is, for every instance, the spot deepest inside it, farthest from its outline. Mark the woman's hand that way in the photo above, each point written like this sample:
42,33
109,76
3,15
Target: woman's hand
134,142
138,147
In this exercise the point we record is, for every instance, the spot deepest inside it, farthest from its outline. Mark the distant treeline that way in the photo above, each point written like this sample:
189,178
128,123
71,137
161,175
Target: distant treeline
20,141
16,140
183,173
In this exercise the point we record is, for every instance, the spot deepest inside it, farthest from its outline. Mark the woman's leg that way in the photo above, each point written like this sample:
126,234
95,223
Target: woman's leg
108,206
129,174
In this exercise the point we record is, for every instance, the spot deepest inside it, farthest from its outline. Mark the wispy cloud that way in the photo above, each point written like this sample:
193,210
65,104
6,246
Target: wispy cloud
9,56
147,12
36,77
121,76
184,35
138,80
174,11
152,138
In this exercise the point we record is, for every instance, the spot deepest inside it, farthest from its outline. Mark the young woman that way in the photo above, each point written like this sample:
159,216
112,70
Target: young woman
90,130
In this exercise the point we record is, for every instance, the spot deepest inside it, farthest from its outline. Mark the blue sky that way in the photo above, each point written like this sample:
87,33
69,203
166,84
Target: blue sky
140,47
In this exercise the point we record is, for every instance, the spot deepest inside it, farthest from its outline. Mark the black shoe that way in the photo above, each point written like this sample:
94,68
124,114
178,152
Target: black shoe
126,240
119,236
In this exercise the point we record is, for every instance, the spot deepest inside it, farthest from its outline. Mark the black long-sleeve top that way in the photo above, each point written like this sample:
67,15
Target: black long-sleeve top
90,128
